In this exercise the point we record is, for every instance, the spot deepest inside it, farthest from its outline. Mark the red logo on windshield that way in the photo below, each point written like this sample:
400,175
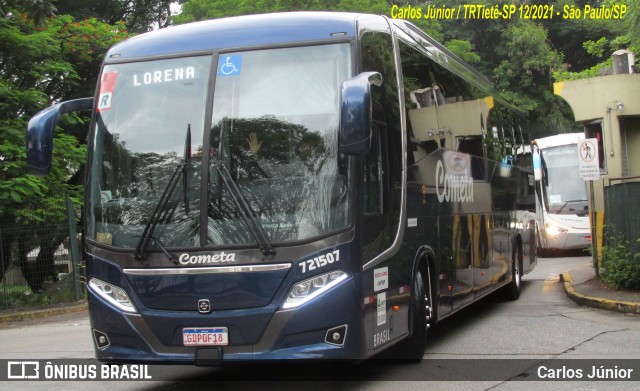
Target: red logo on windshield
107,85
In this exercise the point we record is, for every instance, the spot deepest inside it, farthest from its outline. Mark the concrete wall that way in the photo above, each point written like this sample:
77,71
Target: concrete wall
600,99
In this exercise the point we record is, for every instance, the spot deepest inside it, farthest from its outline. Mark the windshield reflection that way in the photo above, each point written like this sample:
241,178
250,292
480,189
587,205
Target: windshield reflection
274,130
565,192
143,112
291,178
275,127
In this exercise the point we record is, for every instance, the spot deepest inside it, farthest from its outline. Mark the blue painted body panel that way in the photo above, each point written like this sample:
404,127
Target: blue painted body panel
254,333
235,32
248,304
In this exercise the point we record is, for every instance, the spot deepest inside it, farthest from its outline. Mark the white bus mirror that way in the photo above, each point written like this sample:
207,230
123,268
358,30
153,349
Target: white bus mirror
537,165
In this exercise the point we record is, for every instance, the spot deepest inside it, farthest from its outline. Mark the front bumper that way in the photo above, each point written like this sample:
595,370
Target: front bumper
266,333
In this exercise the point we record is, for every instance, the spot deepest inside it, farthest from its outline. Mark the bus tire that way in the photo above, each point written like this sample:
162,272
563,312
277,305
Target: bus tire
412,348
512,290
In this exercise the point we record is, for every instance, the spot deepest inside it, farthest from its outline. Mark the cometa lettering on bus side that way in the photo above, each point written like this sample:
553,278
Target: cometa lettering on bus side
164,76
455,188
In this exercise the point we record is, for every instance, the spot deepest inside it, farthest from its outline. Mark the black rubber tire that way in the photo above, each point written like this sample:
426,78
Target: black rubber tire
412,348
513,289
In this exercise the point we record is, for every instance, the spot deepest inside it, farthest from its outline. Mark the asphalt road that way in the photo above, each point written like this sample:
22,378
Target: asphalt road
542,326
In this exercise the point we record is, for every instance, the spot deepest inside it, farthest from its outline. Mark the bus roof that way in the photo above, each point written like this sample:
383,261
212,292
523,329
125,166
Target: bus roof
237,32
242,32
558,139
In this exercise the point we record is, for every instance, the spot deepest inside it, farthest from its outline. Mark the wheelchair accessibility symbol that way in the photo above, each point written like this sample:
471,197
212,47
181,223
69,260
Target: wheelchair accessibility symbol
229,65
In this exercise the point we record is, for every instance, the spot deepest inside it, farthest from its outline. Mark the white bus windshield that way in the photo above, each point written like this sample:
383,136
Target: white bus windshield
565,192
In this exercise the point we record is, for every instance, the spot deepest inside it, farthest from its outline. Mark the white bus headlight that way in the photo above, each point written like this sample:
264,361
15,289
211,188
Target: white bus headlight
113,294
306,290
554,230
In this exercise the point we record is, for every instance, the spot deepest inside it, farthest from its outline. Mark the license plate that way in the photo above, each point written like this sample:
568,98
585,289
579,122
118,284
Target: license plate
198,336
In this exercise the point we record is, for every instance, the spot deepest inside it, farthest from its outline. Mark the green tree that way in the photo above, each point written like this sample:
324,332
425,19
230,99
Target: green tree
483,35
37,10
596,49
194,10
138,15
40,59
632,23
568,35
525,77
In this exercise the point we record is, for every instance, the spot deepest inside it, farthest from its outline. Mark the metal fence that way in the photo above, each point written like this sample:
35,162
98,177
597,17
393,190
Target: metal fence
621,213
40,261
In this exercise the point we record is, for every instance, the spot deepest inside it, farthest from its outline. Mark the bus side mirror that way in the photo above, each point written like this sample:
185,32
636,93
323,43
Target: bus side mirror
537,165
355,113
40,133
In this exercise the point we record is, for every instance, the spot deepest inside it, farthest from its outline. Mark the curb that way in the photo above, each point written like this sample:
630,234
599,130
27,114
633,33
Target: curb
625,307
43,313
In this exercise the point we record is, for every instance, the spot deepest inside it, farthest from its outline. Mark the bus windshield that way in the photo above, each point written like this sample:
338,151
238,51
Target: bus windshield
274,137
565,192
275,129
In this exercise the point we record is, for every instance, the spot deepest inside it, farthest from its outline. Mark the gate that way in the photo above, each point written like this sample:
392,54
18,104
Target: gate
40,262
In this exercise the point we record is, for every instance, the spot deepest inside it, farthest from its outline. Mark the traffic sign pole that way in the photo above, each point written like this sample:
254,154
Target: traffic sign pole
589,167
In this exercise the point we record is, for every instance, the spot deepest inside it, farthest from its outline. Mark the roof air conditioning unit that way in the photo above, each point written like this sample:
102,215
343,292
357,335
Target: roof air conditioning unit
623,62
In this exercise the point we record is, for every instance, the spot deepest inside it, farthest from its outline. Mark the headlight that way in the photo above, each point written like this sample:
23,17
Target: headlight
113,294
306,290
554,230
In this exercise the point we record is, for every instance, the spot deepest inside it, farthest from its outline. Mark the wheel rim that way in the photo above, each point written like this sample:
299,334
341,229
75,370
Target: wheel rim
427,300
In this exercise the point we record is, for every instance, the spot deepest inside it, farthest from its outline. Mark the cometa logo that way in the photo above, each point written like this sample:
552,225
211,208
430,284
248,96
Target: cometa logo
188,259
453,188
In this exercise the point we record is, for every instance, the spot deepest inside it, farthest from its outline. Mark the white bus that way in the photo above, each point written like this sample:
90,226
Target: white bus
562,208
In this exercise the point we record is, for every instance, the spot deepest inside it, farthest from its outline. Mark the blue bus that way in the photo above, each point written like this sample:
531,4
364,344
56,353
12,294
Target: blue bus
290,186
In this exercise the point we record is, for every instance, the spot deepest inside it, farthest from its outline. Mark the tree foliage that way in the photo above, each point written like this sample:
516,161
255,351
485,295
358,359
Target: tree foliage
58,59
194,10
525,77
606,36
138,15
43,59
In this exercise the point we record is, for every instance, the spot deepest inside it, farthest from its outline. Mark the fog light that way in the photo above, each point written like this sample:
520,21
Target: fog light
101,339
336,335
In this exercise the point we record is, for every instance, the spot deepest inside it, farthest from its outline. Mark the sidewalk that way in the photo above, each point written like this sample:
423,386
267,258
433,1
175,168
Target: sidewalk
42,312
584,288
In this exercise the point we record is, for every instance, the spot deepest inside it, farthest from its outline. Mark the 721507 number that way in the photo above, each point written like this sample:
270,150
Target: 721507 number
320,261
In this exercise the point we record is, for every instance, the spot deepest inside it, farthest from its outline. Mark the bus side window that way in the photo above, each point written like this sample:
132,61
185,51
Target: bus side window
382,167
373,171
526,191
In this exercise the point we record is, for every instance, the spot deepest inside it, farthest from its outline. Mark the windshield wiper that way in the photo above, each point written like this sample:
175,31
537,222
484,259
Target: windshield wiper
161,212
248,215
